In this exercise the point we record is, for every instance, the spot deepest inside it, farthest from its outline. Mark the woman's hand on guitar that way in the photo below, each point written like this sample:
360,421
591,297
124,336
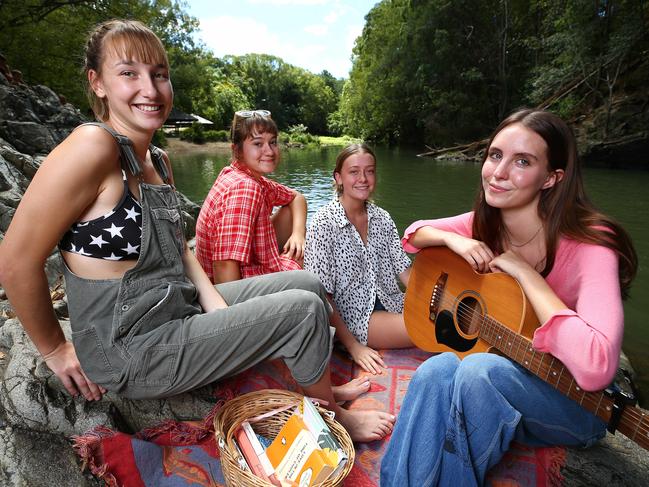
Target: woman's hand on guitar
369,359
475,252
511,263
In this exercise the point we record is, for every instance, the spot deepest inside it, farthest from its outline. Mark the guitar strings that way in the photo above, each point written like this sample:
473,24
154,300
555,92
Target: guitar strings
593,399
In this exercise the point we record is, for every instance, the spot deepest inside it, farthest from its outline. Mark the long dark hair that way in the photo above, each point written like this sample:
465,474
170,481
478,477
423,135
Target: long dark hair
564,208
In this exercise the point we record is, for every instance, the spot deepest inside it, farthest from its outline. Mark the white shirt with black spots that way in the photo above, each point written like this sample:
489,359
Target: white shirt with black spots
355,274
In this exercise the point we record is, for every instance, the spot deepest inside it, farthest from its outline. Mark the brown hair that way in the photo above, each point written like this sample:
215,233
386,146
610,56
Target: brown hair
346,153
244,127
564,208
128,38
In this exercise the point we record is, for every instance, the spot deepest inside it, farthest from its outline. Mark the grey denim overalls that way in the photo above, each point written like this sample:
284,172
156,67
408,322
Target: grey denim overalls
145,335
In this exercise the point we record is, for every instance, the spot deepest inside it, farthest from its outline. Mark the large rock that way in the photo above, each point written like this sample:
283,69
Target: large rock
29,137
30,459
38,418
27,165
36,408
15,104
46,103
614,462
13,182
33,118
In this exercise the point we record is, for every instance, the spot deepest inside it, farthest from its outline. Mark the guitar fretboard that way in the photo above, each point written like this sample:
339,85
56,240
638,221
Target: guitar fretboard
634,422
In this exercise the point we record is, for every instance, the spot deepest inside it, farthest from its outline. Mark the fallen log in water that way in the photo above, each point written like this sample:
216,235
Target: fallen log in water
470,151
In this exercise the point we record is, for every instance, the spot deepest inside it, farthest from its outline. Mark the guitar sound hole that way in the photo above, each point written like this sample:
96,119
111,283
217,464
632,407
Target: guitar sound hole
469,315
447,334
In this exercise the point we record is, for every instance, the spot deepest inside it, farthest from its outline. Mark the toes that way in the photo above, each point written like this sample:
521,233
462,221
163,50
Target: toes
361,380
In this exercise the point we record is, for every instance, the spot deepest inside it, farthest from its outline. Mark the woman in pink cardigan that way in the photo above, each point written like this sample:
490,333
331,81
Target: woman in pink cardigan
532,220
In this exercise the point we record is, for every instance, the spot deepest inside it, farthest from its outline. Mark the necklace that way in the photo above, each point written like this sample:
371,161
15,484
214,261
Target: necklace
523,244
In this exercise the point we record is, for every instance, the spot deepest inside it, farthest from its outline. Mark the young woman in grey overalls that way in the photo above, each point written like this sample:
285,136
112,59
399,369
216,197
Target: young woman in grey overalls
152,326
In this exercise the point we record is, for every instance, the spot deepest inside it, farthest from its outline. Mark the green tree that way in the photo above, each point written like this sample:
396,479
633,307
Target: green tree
45,40
292,94
586,48
443,72
33,40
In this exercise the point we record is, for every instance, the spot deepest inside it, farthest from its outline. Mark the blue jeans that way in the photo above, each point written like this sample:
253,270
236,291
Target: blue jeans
459,417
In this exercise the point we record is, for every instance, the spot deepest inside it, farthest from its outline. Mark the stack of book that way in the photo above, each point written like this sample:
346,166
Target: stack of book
304,452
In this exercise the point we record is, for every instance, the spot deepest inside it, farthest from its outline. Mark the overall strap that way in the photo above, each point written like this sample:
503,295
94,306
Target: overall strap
125,148
159,163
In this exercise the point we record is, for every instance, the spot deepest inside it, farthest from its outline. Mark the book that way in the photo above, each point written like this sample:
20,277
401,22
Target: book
296,456
241,459
254,453
323,435
260,451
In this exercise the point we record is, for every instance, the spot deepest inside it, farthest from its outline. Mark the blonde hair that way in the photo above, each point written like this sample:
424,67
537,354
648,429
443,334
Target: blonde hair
126,38
346,153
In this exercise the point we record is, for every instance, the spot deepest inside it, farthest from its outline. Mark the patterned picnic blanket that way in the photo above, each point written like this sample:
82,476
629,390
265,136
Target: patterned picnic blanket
183,454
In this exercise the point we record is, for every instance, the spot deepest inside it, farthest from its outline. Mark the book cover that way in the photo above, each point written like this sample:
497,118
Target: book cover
296,456
241,459
323,435
249,454
260,452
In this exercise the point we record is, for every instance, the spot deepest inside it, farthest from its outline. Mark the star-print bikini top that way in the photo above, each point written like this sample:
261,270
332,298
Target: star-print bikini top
117,235
113,236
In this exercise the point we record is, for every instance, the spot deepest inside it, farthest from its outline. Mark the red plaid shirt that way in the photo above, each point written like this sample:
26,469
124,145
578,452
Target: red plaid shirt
234,223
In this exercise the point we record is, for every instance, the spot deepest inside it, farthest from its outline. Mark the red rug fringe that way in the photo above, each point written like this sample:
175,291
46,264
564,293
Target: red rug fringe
188,432
87,447
556,461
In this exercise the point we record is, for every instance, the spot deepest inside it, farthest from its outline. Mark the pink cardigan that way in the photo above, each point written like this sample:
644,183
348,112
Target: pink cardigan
587,336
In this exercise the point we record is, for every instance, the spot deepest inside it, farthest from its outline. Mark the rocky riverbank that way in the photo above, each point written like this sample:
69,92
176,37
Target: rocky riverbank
37,416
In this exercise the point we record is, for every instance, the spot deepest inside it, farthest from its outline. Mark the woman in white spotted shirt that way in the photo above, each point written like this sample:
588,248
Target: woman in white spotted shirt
354,248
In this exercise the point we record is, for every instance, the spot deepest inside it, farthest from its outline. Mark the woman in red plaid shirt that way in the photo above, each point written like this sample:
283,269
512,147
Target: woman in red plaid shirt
237,236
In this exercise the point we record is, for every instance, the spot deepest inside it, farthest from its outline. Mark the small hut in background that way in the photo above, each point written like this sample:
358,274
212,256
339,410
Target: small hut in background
203,121
178,119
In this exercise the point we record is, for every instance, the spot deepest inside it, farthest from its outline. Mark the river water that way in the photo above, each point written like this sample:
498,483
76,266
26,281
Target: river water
411,188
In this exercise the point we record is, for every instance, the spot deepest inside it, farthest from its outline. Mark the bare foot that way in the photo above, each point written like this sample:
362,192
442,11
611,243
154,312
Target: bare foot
365,426
352,389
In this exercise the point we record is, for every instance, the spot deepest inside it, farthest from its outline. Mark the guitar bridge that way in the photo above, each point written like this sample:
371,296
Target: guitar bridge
438,291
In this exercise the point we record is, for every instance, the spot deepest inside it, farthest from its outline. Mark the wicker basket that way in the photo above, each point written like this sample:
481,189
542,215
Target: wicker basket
253,404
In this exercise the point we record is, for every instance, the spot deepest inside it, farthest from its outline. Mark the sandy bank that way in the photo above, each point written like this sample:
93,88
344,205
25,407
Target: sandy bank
177,146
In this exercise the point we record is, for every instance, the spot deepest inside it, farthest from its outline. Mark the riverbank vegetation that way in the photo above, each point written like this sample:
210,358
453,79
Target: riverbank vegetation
445,72
434,73
294,136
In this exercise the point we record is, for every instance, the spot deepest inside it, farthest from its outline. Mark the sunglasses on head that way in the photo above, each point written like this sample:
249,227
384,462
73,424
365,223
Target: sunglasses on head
252,113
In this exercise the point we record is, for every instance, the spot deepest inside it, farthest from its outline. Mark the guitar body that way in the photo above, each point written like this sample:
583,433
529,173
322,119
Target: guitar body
447,303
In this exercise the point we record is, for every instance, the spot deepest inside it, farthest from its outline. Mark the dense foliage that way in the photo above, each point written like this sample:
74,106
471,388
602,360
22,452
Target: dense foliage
424,71
45,40
436,71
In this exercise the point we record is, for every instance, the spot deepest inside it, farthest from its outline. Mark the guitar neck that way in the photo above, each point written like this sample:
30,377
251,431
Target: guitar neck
634,422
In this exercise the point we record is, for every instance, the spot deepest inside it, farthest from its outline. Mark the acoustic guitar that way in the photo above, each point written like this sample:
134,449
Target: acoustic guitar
451,308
